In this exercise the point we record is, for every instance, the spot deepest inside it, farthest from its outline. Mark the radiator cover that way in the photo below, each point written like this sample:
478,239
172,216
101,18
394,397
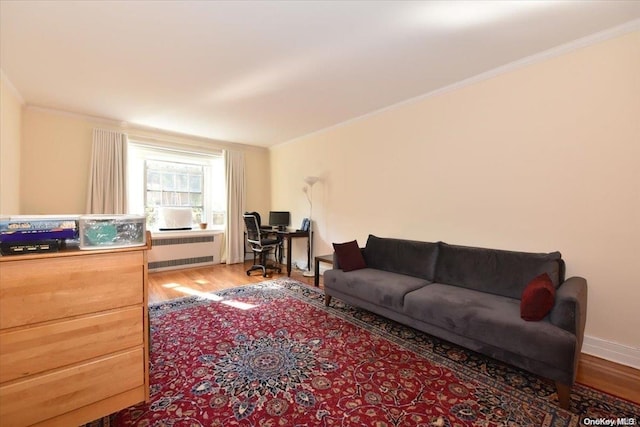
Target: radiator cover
184,250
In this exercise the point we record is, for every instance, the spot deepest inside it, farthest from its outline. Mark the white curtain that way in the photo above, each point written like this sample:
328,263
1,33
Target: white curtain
107,178
234,170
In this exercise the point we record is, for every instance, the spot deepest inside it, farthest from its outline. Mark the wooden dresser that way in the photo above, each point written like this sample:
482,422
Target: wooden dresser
73,335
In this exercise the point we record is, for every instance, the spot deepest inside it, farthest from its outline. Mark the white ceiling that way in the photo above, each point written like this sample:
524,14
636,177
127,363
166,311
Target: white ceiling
265,72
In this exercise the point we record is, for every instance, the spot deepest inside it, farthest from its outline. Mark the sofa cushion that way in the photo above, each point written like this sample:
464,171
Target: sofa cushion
375,286
537,298
491,319
349,256
495,271
417,259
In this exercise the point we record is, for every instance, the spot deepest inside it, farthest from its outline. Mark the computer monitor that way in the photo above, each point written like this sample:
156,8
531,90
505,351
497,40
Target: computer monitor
280,219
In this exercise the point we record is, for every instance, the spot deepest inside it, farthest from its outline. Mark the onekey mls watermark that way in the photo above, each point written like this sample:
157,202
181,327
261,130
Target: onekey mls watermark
622,421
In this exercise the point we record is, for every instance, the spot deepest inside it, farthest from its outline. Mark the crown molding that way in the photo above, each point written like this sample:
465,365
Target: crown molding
7,83
149,133
114,124
554,52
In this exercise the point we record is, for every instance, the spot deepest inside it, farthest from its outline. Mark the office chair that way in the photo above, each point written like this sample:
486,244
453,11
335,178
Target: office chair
268,231
260,245
257,215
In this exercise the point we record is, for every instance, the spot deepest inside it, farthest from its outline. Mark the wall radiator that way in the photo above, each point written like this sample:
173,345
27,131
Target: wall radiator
170,252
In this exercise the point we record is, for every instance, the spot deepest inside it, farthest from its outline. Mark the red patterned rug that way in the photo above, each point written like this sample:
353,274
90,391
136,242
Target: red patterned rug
272,355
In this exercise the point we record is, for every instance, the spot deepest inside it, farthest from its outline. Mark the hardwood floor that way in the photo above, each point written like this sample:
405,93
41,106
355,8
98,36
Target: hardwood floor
598,373
166,285
619,380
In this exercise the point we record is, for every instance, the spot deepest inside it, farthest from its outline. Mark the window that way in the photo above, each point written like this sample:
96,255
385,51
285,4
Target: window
162,177
172,184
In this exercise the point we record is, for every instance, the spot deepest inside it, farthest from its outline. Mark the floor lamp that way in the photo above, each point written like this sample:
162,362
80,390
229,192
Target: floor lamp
308,190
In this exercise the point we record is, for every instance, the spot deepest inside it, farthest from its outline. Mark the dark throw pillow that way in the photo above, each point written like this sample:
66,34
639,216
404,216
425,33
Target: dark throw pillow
537,298
349,256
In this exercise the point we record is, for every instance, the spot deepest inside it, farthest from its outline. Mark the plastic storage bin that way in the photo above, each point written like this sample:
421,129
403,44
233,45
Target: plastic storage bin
112,231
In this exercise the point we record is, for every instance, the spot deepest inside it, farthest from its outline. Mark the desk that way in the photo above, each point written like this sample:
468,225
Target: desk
288,235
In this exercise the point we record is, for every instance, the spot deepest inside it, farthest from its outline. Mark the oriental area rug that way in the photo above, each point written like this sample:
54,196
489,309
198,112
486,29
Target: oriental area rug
272,355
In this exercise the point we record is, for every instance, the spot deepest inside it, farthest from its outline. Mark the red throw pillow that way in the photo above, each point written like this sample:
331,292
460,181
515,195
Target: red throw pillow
349,256
537,298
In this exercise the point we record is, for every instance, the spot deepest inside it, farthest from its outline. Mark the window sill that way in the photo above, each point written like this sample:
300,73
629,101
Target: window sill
186,233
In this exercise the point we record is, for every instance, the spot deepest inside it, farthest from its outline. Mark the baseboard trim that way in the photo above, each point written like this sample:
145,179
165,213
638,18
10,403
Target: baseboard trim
612,351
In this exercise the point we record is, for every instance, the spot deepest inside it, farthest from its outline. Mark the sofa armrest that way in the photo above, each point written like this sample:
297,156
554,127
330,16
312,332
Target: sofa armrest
570,309
570,313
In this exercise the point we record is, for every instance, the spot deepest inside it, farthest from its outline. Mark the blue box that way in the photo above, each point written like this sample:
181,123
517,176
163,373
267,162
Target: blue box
33,228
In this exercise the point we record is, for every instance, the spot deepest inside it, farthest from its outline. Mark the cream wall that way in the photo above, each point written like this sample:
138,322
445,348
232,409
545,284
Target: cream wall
56,151
10,135
542,158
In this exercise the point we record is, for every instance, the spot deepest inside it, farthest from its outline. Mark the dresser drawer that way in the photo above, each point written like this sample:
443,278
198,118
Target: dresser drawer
28,351
41,290
45,396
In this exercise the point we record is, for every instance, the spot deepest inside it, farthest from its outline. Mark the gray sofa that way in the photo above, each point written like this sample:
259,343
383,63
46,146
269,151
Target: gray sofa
471,296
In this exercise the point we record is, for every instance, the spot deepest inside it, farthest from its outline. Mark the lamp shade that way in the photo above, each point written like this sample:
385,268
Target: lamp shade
310,180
